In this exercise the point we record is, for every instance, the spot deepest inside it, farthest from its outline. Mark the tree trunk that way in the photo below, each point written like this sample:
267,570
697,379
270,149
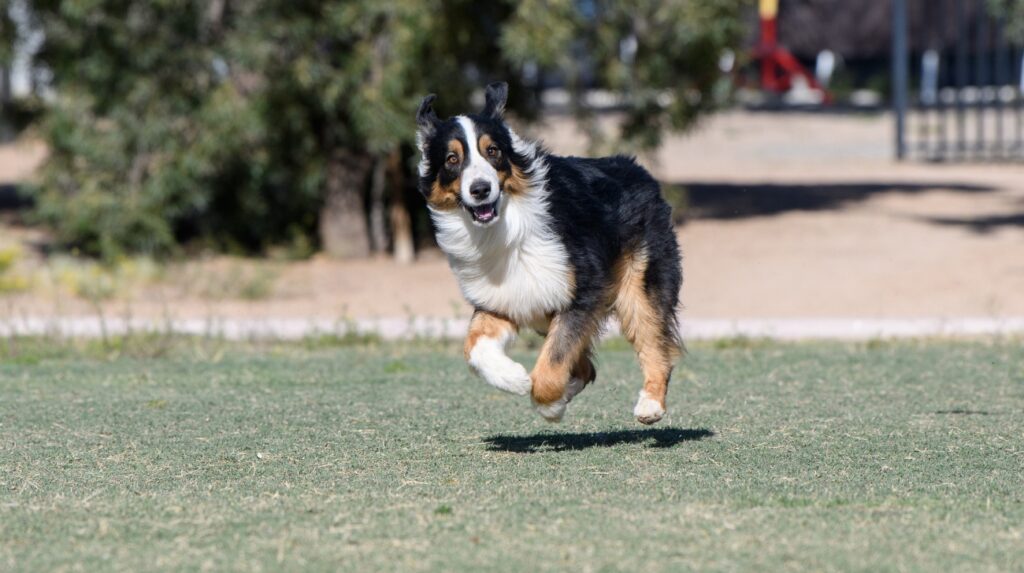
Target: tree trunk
378,225
401,221
343,229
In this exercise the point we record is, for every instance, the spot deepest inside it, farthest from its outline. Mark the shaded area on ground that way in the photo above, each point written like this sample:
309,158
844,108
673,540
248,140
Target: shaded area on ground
728,200
982,225
549,441
12,199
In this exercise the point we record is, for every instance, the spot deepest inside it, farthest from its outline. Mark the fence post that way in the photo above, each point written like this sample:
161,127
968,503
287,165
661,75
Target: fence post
899,74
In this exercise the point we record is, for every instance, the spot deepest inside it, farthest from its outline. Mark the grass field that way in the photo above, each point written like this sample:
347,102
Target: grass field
823,456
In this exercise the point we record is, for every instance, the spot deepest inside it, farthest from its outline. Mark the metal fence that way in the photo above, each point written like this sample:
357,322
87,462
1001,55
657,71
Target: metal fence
958,91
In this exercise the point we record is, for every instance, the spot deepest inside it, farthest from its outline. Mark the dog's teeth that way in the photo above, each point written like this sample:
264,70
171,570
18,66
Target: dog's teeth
484,213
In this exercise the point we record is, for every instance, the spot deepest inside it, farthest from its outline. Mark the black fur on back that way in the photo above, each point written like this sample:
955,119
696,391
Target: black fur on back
606,207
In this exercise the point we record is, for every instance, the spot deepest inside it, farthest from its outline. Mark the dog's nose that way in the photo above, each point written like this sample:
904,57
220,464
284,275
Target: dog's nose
479,189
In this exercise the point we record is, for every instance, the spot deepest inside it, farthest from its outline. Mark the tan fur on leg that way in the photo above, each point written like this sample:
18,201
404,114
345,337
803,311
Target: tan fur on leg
563,367
489,325
645,327
489,335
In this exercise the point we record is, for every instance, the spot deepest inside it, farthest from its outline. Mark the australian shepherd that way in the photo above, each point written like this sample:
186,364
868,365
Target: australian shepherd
555,244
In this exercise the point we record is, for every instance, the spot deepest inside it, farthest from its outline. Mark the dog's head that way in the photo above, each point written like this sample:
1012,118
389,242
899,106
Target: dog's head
472,162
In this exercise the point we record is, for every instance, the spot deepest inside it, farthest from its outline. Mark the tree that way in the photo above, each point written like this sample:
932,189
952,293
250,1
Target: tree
661,57
1013,12
8,35
245,125
342,77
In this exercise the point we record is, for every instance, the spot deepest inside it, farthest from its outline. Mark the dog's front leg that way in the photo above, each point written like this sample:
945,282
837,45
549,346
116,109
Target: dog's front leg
563,367
489,336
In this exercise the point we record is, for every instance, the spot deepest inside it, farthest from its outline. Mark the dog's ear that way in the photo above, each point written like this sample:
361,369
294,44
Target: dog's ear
426,118
495,97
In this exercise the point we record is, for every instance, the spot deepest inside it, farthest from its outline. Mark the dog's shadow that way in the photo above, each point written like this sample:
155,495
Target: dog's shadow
552,442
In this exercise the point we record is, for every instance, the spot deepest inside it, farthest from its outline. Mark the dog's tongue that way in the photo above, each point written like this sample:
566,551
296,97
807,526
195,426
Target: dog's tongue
484,213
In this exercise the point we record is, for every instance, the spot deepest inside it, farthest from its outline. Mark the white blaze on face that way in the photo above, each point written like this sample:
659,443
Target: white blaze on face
516,265
477,169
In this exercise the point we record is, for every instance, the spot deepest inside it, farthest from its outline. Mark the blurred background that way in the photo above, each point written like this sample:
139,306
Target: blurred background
229,159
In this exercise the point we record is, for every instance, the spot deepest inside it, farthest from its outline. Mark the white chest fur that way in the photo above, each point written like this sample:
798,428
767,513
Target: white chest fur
517,266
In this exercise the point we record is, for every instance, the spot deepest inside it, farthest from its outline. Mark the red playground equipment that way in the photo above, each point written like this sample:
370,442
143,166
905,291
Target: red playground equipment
778,66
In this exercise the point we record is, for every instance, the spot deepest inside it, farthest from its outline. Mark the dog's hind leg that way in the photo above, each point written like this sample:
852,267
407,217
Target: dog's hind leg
584,370
489,336
645,304
564,367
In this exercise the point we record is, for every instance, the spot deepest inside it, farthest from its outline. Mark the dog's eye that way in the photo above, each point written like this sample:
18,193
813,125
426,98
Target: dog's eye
452,160
492,151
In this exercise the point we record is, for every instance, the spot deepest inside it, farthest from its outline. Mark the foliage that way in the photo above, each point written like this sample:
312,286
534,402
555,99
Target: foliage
1013,12
217,121
93,281
660,57
11,281
8,34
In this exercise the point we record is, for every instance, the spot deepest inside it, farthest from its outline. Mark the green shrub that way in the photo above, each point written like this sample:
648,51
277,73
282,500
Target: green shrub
10,281
228,124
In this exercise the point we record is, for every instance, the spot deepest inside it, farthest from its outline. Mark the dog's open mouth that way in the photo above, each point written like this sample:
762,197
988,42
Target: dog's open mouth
484,214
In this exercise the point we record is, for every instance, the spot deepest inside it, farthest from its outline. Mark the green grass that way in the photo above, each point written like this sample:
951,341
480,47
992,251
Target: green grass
881,457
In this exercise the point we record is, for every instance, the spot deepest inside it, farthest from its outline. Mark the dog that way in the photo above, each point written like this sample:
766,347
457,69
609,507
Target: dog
555,244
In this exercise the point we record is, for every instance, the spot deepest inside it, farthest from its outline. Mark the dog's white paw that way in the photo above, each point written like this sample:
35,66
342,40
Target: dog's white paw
648,410
488,359
555,411
552,412
507,375
514,379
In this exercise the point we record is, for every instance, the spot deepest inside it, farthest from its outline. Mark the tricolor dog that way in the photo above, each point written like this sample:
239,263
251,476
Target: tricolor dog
555,244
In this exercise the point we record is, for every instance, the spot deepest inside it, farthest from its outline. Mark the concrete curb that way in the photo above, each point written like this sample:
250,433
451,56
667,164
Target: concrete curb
425,327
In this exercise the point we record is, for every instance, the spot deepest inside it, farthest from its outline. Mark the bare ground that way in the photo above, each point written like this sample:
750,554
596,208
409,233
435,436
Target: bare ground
793,215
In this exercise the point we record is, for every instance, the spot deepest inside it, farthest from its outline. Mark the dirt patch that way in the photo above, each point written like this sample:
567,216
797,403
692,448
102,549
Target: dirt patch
794,215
